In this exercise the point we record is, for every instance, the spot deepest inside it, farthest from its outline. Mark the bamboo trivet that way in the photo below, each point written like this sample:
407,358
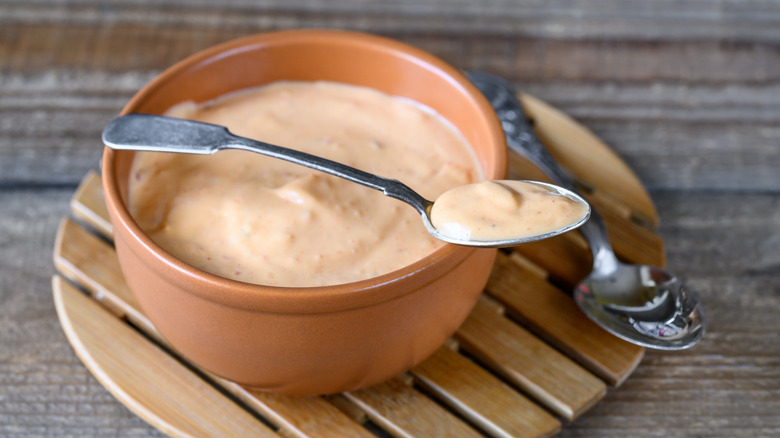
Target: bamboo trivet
525,359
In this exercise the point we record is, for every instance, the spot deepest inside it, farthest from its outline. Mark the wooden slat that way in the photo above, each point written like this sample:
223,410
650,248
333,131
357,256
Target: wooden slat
541,371
299,416
92,263
613,190
347,407
405,412
631,241
149,382
556,318
88,204
588,158
568,258
482,398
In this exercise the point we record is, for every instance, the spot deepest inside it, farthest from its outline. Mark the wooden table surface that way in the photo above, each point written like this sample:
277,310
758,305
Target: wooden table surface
687,92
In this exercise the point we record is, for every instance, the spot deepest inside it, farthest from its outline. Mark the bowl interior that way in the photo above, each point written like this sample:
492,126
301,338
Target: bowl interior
314,55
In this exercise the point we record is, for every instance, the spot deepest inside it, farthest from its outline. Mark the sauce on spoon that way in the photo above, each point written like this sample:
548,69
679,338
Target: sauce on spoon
504,210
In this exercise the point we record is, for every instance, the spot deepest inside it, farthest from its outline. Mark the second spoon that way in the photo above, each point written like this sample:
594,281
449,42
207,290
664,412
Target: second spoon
643,304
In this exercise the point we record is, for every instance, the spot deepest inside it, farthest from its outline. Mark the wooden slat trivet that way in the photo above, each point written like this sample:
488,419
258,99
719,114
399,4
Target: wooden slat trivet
144,376
508,349
525,355
555,317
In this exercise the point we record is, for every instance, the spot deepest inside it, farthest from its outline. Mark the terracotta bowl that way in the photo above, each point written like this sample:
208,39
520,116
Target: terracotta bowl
321,339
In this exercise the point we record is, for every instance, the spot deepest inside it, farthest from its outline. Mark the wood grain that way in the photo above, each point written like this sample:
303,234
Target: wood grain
88,205
685,91
92,263
560,385
300,417
594,166
483,399
534,301
664,20
506,348
645,90
96,334
405,412
730,381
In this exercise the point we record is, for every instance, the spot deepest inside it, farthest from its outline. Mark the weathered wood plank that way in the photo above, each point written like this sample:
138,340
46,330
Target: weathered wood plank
618,69
666,19
60,83
59,141
45,390
719,235
668,389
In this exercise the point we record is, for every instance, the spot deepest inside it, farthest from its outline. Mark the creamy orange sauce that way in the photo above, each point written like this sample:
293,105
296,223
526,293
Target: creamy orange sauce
503,210
261,220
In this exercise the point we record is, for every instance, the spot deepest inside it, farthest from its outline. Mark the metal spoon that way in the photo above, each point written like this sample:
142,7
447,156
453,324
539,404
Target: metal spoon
146,132
642,304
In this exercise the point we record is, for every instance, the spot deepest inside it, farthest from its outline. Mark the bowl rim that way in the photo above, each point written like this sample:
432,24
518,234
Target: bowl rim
310,299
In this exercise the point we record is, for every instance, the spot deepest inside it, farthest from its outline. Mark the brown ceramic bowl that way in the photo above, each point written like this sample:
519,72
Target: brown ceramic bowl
319,339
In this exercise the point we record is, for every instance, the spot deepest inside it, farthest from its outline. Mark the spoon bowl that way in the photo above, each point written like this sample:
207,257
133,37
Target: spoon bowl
645,300
153,133
645,305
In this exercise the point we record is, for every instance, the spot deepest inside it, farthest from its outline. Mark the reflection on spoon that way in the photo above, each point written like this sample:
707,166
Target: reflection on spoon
146,132
643,304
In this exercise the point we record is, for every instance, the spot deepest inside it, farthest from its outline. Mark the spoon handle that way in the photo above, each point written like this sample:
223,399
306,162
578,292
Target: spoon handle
148,132
521,138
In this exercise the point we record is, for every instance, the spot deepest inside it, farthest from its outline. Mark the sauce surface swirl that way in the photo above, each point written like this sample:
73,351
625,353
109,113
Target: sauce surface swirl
261,220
